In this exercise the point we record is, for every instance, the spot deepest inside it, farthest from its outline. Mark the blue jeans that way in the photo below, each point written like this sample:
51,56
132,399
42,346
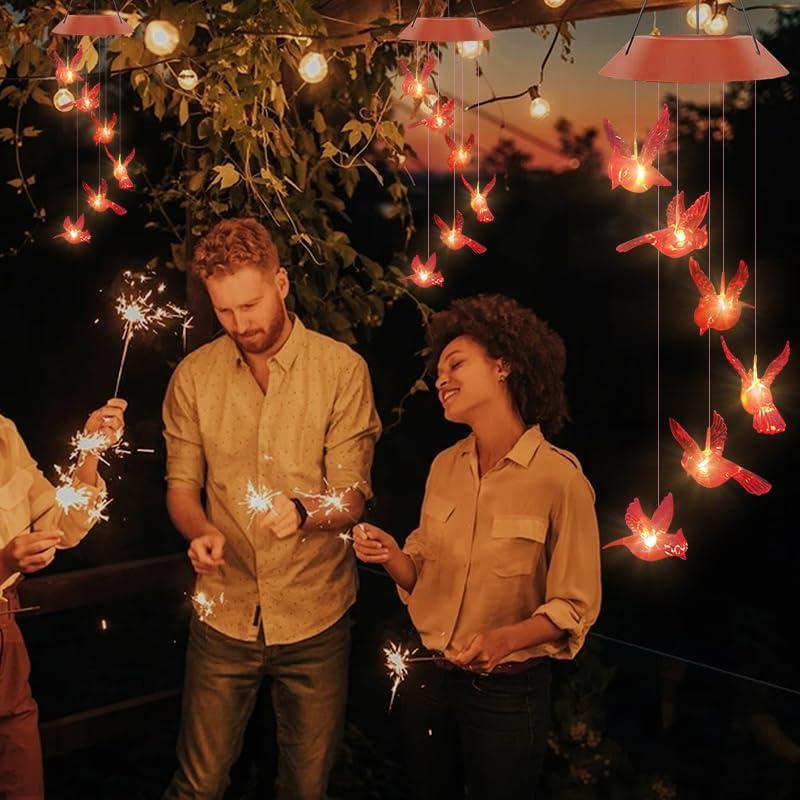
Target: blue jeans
223,676
474,736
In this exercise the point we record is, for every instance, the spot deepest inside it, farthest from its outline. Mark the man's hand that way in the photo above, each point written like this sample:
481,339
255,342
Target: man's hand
484,652
283,519
206,552
372,545
30,552
108,420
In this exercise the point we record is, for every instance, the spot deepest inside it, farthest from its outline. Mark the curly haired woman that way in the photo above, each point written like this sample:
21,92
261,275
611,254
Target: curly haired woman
503,572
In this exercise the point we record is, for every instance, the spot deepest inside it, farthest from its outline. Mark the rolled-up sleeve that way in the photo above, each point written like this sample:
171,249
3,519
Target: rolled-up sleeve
353,429
572,595
186,464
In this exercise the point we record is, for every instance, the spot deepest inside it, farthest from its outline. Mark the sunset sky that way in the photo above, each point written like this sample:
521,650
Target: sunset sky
574,90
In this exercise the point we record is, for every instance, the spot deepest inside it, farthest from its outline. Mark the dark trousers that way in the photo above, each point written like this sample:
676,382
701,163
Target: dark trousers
223,676
20,751
473,736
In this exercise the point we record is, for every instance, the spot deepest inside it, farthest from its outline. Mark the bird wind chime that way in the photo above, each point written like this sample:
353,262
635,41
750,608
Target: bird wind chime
446,117
91,103
686,231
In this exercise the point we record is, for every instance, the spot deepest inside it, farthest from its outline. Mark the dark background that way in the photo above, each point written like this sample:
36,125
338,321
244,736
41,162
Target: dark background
732,604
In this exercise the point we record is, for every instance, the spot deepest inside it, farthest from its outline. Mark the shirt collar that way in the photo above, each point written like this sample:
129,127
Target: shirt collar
521,453
288,353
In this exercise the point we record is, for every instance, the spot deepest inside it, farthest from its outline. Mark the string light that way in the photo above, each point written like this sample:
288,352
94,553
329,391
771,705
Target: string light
470,50
98,200
74,233
717,25
554,3
89,99
416,85
187,79
313,67
68,73
539,108
453,237
64,100
649,539
103,131
161,37
704,10
720,311
121,168
425,275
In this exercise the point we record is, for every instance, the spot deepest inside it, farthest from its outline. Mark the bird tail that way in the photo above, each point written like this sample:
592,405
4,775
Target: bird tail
751,482
768,420
637,242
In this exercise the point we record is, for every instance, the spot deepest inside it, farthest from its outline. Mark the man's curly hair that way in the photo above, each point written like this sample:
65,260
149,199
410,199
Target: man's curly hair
234,243
535,353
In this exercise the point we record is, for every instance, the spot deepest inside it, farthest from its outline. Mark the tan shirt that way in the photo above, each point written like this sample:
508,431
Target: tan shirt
25,493
493,551
316,423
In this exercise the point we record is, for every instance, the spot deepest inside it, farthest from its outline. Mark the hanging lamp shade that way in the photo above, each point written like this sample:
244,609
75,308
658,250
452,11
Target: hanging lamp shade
694,58
445,29
93,25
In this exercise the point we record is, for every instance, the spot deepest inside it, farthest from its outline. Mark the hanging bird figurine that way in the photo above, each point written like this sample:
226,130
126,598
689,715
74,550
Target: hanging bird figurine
425,275
121,168
707,466
684,232
756,394
416,86
634,171
453,237
103,131
460,154
649,539
98,200
68,73
73,232
89,99
718,311
477,199
441,117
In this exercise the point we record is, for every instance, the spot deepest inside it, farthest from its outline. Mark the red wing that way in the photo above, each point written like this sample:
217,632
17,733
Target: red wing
416,264
467,184
489,186
675,209
778,363
739,281
458,222
130,156
470,141
110,157
117,209
76,59
747,480
67,223
431,262
476,247
656,137
447,107
79,222
700,279
618,145
59,61
88,189
733,361
682,437
450,143
113,121
635,518
405,70
103,186
719,433
695,213
647,238
441,224
662,518
427,69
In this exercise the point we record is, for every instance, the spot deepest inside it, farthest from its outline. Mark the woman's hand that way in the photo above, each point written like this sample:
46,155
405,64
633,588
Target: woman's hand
29,552
484,651
109,420
372,545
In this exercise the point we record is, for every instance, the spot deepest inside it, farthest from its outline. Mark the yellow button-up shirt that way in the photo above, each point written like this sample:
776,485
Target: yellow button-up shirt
25,494
314,429
495,550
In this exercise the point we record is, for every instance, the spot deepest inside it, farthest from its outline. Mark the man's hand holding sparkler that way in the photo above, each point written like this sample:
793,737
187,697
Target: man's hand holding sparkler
282,518
374,546
207,552
29,552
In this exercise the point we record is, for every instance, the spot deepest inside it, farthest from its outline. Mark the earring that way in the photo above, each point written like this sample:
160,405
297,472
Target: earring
502,378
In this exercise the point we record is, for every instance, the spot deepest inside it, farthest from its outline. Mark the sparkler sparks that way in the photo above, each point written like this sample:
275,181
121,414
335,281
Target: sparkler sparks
258,500
93,444
68,495
205,605
397,660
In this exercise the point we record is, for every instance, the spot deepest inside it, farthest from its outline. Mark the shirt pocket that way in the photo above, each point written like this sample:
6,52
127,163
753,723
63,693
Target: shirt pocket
437,513
14,503
517,543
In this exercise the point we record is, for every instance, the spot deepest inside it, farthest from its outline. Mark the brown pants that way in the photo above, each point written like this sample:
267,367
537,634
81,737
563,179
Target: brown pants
20,751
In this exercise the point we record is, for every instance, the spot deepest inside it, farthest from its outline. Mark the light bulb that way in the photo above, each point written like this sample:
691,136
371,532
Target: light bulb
705,15
313,67
469,50
161,37
540,108
717,25
64,100
554,3
187,79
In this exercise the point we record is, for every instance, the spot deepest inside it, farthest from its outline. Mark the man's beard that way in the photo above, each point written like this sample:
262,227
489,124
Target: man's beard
261,340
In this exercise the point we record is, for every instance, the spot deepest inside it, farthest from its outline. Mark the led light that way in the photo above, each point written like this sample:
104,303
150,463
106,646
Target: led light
313,67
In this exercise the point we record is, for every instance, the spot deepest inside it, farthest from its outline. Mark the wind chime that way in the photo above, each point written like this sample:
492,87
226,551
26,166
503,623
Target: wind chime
677,60
443,117
92,103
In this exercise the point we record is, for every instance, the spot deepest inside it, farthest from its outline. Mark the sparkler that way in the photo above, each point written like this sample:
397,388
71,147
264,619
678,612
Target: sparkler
397,660
68,495
92,444
205,605
140,314
258,500
330,501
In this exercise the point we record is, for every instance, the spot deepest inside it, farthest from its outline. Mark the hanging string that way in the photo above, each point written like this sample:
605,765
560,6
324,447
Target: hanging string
708,332
428,165
755,217
455,84
677,138
658,320
477,100
723,175
636,118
